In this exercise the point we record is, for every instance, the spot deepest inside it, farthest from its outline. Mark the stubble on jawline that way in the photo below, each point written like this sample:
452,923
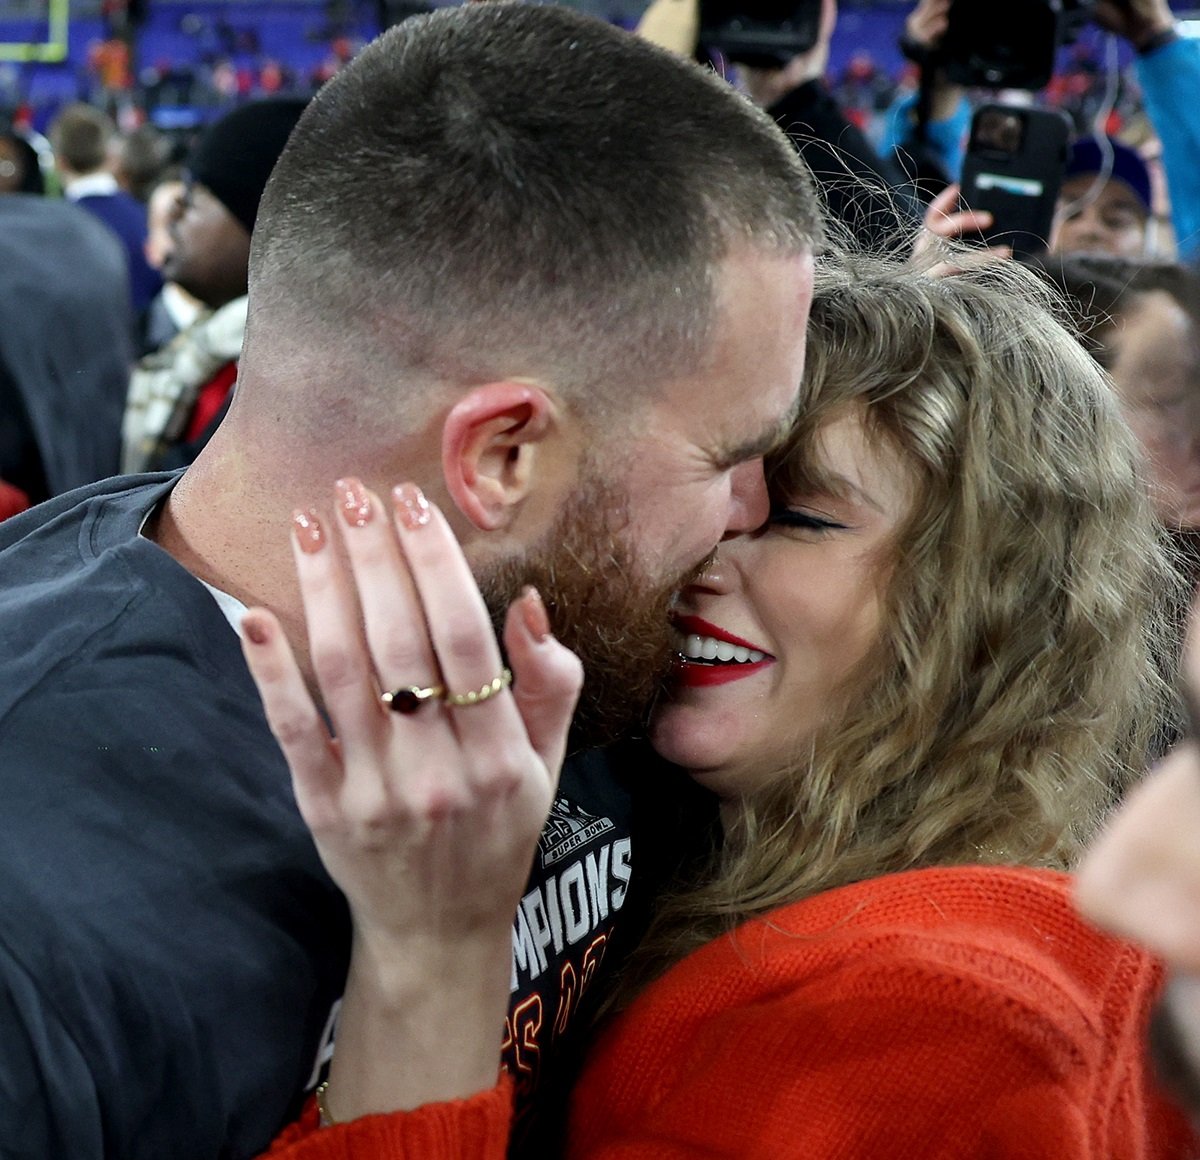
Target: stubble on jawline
603,606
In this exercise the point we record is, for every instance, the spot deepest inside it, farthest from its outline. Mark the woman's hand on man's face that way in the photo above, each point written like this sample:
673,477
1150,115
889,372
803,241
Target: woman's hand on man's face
427,819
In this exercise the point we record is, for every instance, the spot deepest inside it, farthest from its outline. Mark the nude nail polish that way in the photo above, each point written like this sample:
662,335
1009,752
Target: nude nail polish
533,612
308,531
412,508
354,502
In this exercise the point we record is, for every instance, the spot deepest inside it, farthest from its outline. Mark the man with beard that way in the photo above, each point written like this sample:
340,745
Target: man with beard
559,279
1142,880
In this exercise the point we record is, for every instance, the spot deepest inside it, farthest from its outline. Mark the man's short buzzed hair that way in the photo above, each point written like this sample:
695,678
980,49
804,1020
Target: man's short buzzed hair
501,190
80,136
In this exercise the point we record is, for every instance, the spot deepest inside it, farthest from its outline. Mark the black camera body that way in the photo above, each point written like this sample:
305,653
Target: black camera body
1008,44
760,33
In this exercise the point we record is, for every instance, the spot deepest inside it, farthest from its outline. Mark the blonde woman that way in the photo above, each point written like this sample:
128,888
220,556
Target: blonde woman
914,692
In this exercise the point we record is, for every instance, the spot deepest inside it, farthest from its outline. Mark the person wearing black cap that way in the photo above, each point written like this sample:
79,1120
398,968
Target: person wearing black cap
178,394
1106,203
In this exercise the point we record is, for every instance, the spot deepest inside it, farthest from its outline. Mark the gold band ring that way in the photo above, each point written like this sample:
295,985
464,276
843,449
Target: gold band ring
409,698
478,696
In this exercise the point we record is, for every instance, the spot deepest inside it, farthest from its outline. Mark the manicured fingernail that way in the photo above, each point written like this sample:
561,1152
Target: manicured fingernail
354,502
308,531
533,612
412,508
255,630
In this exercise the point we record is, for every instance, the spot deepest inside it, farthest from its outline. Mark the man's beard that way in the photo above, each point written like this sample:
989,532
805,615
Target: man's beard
602,605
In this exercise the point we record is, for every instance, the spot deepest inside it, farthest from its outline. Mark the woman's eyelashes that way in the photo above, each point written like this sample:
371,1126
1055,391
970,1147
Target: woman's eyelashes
790,517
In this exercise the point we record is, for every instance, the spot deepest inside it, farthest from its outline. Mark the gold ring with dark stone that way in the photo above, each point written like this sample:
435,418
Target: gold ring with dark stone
409,698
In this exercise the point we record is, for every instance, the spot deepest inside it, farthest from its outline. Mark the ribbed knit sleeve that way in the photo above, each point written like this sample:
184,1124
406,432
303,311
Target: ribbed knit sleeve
476,1127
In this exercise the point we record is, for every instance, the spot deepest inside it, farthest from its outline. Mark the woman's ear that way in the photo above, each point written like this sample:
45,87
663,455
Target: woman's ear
491,444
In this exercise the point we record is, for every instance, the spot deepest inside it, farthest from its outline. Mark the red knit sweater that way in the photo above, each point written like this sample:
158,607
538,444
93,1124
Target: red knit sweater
947,1013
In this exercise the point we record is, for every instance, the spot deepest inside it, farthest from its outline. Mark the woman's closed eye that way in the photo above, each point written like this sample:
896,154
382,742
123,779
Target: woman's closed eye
791,517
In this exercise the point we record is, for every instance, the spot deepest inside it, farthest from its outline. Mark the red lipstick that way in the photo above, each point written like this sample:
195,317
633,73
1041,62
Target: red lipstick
694,626
695,675
699,674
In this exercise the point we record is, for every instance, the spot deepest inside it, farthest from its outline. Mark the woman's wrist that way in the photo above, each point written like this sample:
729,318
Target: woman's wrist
420,1023
398,972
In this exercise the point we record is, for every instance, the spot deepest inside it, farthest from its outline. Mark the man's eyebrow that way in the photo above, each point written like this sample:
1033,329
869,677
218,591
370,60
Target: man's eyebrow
766,441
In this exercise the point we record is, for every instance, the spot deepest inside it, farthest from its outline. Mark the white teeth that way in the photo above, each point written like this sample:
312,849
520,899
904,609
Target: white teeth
707,648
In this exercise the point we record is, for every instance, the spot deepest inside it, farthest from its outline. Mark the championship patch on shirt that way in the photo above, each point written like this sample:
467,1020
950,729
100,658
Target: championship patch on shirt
568,827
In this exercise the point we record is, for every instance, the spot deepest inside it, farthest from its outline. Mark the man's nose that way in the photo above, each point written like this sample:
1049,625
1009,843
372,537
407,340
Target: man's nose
748,502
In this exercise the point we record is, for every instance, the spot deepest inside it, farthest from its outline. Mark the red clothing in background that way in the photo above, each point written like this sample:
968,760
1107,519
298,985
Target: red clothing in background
12,500
937,1014
210,400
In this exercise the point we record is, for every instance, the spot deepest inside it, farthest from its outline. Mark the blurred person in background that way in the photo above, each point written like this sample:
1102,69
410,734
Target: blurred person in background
81,136
179,393
65,346
1141,321
1168,72
1106,202
138,159
868,194
929,140
20,167
173,309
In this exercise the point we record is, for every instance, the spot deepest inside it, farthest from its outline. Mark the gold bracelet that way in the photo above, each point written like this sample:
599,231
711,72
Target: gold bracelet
324,1119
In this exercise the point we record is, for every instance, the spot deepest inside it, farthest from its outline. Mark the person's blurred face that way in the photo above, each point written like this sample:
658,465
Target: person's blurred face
774,628
1142,880
12,166
211,255
166,204
1111,222
1157,375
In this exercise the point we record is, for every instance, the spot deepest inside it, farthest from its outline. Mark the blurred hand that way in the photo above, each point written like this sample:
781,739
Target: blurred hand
924,28
1138,21
673,25
944,222
768,85
926,23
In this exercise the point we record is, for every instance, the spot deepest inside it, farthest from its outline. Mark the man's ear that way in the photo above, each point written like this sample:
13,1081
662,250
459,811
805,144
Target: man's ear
491,441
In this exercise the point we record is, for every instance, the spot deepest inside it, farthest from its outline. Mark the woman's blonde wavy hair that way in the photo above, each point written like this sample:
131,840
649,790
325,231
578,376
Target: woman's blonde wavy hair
1019,683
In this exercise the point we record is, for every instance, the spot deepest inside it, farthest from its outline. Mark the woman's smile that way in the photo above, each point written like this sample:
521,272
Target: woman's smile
710,655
